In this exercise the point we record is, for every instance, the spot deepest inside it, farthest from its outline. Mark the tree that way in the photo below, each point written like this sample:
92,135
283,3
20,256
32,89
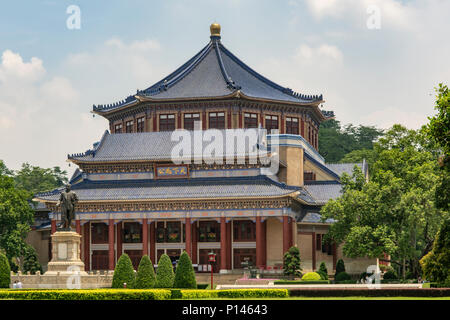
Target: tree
145,277
395,212
340,267
164,273
16,216
185,275
323,271
436,264
4,171
30,260
123,273
5,272
35,179
438,130
292,262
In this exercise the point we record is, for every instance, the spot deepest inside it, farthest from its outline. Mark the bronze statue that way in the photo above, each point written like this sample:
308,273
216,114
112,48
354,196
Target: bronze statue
68,200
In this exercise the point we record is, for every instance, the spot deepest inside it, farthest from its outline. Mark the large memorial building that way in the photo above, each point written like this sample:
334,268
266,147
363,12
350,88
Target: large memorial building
134,199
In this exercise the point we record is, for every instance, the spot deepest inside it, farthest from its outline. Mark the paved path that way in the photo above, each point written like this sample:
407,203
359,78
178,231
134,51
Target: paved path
319,286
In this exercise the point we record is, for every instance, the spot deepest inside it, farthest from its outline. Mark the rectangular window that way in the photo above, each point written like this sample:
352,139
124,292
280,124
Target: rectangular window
166,122
271,123
140,124
244,230
244,258
208,231
99,233
318,242
217,120
309,176
132,232
190,119
129,126
291,125
118,128
173,231
250,120
160,232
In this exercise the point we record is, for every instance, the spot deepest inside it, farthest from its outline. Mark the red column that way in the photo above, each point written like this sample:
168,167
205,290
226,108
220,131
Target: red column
204,120
111,243
144,237
188,238
155,124
194,243
152,242
261,121
282,124
240,120
78,226
285,234
119,240
229,119
87,247
259,244
291,232
302,127
179,120
313,246
229,245
264,243
223,244
53,226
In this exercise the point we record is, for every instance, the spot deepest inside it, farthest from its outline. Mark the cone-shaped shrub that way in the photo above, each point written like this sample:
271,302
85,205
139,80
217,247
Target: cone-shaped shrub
340,267
5,272
164,273
185,275
145,277
323,271
123,273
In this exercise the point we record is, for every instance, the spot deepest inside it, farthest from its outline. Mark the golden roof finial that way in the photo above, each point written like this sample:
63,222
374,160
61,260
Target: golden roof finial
215,30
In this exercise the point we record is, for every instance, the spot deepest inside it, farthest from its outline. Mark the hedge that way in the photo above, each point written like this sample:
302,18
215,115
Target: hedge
93,294
253,293
301,282
366,292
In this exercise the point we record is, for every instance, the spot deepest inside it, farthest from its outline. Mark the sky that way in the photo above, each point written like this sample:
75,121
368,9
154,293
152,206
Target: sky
376,62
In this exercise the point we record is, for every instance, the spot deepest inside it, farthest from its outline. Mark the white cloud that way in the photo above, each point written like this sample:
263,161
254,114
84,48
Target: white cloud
12,67
318,54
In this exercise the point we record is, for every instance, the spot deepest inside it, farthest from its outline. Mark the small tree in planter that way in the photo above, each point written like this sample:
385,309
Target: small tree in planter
145,277
5,272
323,271
291,263
123,273
184,274
164,273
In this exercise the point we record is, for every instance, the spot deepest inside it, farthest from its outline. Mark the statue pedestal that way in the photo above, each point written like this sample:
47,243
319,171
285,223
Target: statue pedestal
65,254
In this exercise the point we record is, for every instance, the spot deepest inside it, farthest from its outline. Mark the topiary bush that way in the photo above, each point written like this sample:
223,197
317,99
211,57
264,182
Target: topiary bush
5,272
123,273
291,262
164,273
185,275
311,276
145,277
340,267
323,272
390,275
342,276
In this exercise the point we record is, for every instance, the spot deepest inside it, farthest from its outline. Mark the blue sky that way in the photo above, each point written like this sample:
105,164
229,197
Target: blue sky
51,76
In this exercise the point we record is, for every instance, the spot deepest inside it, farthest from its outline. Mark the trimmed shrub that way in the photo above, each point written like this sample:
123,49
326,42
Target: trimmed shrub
253,293
164,273
342,276
31,262
198,294
366,292
390,275
323,272
145,277
291,262
340,267
282,282
311,276
123,273
5,272
185,275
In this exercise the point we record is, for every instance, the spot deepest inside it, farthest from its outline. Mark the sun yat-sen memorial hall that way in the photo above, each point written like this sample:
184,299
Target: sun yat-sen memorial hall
136,198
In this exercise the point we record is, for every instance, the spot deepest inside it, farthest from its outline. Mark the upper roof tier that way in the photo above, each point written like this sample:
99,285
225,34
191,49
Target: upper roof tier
214,72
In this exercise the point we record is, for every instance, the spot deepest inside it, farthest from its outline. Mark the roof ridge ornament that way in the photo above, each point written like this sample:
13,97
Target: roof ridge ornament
214,28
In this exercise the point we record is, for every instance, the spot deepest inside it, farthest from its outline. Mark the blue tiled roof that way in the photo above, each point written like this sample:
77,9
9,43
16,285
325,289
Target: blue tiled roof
322,191
259,186
214,72
146,146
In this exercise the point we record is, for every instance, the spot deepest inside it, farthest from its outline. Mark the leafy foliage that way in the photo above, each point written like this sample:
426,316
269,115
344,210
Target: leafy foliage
323,271
123,273
395,212
292,262
5,272
391,275
31,262
436,264
311,276
342,276
145,277
340,267
164,273
35,179
185,275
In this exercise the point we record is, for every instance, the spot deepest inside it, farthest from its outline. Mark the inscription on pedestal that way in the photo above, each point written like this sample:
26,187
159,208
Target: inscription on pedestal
62,251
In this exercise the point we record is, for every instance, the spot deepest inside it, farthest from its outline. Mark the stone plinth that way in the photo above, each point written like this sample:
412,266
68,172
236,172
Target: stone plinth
65,255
